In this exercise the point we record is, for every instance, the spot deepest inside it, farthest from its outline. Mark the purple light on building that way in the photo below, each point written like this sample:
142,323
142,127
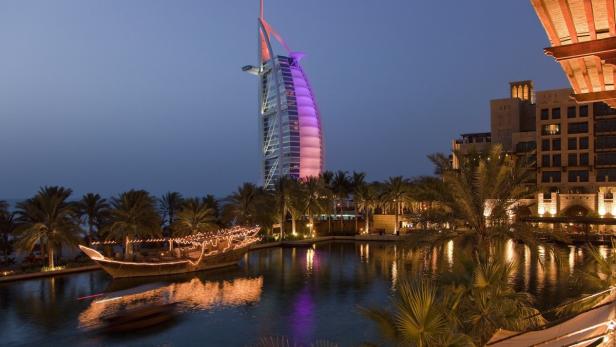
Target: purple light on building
290,134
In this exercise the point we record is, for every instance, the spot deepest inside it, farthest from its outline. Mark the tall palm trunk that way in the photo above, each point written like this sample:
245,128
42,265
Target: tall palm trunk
367,216
5,244
396,220
293,224
356,219
50,262
283,218
311,222
341,218
335,214
90,233
126,248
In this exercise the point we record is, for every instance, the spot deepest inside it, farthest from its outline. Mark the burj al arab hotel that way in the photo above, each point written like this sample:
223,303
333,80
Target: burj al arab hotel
290,133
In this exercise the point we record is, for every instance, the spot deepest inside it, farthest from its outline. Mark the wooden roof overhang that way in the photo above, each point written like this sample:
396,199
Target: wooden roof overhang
582,35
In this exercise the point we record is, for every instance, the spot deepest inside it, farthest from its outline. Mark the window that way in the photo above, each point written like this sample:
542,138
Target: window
550,176
572,159
575,175
607,158
545,145
545,113
551,129
521,147
584,111
578,128
545,160
601,109
583,159
583,142
605,142
605,125
556,145
609,196
571,112
606,175
556,160
556,113
572,143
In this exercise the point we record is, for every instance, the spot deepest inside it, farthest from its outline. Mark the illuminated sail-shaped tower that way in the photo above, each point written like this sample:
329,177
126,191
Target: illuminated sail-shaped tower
290,131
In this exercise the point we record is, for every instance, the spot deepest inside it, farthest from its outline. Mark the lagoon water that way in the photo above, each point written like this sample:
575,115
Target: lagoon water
305,294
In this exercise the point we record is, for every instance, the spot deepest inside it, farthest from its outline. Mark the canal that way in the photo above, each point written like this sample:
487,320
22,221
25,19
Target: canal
305,294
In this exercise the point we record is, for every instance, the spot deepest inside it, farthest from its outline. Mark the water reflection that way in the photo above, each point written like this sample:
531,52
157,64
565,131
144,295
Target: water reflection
449,253
306,294
192,295
309,259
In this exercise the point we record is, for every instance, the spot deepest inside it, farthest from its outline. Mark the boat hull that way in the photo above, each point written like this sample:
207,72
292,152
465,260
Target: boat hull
121,269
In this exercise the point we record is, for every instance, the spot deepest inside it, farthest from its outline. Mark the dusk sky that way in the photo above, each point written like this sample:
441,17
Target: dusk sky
105,96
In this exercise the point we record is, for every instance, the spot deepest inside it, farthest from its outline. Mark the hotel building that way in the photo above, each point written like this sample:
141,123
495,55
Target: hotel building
575,147
290,134
512,124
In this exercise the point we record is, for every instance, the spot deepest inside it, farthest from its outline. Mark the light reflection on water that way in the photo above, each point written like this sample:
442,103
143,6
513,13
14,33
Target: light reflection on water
191,295
303,293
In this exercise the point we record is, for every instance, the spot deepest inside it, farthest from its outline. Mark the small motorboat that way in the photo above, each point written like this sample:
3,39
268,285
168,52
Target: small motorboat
203,251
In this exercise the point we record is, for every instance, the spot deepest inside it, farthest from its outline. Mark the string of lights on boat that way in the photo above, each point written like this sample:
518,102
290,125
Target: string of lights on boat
198,239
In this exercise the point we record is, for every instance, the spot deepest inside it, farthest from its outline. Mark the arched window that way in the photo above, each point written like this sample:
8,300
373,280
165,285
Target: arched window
525,94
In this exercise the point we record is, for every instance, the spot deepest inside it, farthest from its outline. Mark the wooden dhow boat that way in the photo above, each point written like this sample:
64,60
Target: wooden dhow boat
203,251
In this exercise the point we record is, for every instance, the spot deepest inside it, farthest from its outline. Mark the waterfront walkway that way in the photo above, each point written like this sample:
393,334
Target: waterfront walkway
294,243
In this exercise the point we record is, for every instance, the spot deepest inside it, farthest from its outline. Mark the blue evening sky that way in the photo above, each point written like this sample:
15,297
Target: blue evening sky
110,95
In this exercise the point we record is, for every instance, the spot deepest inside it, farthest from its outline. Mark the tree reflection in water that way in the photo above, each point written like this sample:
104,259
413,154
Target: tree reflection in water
305,294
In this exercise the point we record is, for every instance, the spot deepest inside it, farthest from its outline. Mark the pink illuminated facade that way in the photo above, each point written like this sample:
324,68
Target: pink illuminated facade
290,134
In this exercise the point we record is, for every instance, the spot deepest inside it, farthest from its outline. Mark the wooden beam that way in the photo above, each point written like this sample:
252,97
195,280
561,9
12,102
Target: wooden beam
545,19
590,19
610,16
584,71
564,9
571,75
599,66
583,49
605,96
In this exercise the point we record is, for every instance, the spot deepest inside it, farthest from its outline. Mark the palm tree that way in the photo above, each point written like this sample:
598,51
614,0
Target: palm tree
94,211
133,216
341,187
396,189
472,301
485,189
484,300
358,179
4,207
326,179
365,199
195,216
169,204
282,195
596,275
48,219
211,202
429,190
242,204
420,318
296,203
314,202
8,225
